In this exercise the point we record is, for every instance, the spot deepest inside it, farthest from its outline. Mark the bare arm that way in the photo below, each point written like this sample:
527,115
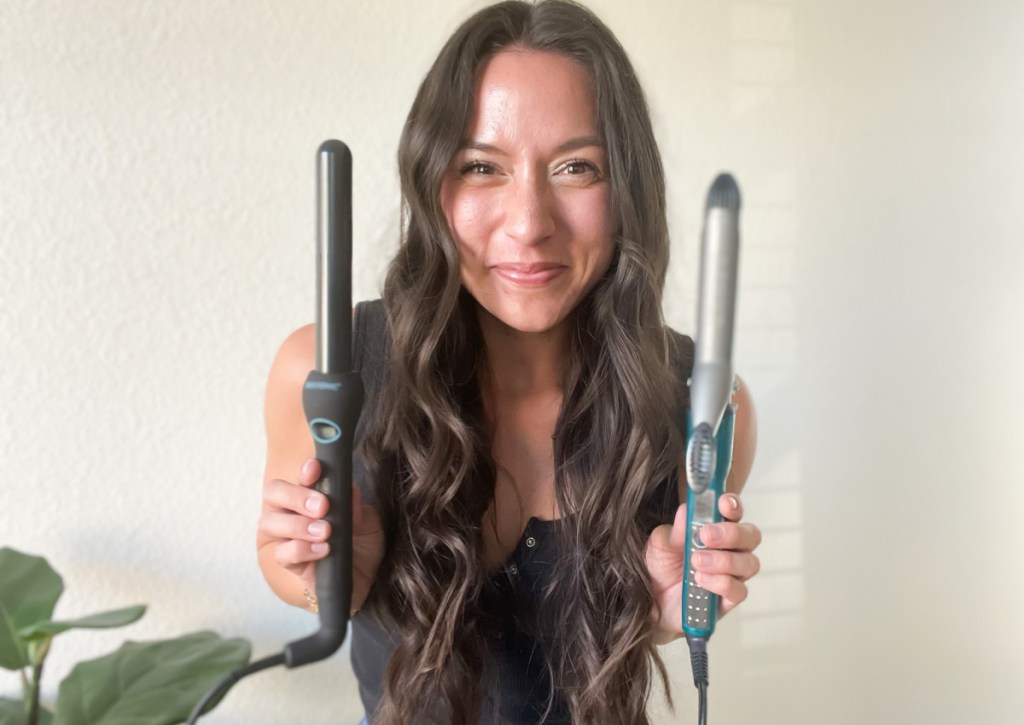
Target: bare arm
285,547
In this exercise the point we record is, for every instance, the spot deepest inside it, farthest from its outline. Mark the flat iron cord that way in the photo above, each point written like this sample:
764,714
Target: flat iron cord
699,664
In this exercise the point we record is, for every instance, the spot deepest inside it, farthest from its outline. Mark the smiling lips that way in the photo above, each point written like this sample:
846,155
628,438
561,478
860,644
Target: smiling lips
529,275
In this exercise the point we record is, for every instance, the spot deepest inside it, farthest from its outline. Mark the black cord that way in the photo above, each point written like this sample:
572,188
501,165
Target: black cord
699,664
228,681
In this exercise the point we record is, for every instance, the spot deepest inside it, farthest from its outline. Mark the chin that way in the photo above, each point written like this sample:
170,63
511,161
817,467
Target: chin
525,320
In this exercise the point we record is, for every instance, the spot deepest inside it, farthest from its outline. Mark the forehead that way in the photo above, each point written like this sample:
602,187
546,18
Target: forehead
520,90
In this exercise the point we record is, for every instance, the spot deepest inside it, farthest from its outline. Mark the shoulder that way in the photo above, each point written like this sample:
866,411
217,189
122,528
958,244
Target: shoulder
680,349
745,438
295,358
297,354
288,439
370,318
371,339
371,312
680,354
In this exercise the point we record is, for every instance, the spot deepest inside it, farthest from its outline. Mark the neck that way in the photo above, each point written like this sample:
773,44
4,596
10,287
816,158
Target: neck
523,363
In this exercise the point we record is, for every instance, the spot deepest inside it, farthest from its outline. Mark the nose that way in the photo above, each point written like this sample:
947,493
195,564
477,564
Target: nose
529,215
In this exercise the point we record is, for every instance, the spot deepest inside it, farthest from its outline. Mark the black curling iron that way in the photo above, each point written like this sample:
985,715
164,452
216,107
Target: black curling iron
710,423
332,399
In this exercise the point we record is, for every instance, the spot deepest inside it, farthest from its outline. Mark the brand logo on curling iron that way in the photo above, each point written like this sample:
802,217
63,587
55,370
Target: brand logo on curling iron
320,385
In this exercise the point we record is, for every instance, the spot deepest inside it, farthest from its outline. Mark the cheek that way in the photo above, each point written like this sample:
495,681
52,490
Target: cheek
455,214
449,207
470,225
595,222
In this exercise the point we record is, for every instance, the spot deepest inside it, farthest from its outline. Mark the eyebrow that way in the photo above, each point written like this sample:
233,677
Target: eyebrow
570,145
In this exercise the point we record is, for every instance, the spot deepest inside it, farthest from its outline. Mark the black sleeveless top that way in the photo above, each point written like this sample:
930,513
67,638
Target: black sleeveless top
515,657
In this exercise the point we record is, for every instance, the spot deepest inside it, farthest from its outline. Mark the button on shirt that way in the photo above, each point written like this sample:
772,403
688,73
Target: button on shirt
517,654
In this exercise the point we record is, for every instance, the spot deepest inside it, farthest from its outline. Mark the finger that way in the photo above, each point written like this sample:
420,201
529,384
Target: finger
669,540
731,507
281,525
729,535
731,590
309,474
677,539
737,564
294,553
286,496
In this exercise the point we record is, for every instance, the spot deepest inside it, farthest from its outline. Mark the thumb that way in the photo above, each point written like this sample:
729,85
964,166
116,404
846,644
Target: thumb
309,474
677,539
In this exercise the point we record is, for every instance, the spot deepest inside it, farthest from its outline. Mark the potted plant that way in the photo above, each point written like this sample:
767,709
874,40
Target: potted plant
145,683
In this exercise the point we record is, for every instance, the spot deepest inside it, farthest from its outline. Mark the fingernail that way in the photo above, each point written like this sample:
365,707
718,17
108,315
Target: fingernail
734,503
313,504
317,528
319,548
307,467
701,558
710,534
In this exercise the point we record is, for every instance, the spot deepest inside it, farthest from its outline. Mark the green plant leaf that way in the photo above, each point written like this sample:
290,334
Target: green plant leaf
12,712
28,595
147,683
105,620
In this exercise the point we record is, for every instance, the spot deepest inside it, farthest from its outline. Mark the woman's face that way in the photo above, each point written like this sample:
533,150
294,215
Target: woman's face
527,194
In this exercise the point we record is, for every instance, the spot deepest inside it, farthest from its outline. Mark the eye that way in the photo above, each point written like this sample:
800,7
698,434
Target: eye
476,167
580,172
576,167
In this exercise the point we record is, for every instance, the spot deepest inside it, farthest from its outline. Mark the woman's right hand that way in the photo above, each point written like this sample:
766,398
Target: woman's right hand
292,533
293,525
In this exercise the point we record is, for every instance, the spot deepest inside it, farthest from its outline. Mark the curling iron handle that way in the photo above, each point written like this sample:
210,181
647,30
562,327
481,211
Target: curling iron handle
700,607
324,397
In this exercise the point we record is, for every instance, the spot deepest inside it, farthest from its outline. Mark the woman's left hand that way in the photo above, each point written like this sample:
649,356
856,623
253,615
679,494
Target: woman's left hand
722,568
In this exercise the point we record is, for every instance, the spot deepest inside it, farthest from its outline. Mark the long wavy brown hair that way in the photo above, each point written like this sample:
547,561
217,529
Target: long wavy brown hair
616,436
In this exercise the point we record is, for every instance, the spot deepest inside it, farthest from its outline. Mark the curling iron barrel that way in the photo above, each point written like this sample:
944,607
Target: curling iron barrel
711,384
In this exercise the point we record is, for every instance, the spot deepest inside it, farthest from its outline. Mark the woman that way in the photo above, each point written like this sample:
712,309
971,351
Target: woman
519,554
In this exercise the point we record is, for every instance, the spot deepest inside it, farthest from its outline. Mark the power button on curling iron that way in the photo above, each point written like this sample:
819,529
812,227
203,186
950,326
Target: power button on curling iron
324,430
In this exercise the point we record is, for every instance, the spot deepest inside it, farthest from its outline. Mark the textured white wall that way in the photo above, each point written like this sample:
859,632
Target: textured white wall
156,245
